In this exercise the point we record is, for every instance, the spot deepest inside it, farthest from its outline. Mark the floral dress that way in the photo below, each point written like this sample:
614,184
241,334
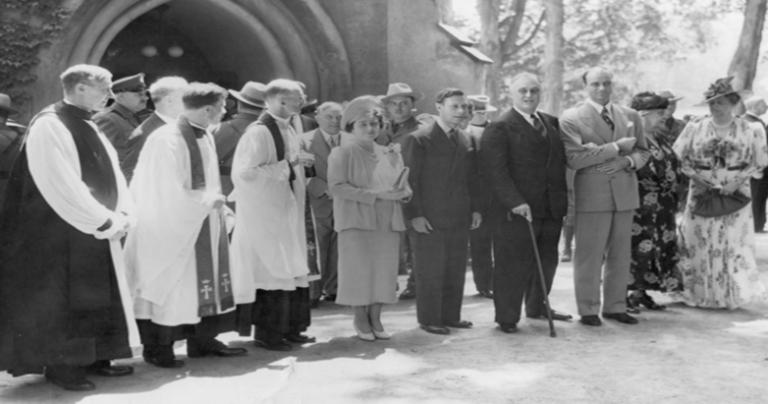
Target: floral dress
718,253
654,239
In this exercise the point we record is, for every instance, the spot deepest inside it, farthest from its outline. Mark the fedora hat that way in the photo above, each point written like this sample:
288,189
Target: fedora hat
669,96
481,102
721,88
5,104
401,90
252,93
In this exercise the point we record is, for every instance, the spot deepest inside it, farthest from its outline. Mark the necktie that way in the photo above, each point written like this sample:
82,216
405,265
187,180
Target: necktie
607,118
453,136
537,125
334,141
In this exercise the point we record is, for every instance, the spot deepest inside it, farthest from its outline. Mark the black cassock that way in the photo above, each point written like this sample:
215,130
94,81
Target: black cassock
59,300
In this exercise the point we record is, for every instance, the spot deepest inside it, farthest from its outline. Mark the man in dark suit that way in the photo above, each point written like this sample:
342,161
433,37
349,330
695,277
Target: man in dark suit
756,107
250,105
524,160
166,97
321,141
120,119
441,212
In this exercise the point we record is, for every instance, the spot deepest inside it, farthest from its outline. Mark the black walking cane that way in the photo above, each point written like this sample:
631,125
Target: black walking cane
541,278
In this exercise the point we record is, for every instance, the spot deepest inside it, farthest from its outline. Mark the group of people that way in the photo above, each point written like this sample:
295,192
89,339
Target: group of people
122,227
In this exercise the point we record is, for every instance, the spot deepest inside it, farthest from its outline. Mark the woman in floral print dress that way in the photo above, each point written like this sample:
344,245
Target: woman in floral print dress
718,253
654,238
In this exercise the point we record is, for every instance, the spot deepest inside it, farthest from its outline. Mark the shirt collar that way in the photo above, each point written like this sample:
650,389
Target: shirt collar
444,126
164,118
525,115
598,107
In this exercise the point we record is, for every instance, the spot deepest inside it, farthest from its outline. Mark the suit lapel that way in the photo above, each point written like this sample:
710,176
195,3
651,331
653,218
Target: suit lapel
319,145
594,121
619,122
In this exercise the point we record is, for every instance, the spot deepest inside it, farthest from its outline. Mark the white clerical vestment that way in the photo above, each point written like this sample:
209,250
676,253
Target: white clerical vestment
160,253
269,247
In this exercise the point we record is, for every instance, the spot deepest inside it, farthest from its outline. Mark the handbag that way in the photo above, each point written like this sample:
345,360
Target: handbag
712,203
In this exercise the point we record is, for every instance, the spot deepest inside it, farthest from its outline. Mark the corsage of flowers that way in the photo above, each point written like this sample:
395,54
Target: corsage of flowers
719,150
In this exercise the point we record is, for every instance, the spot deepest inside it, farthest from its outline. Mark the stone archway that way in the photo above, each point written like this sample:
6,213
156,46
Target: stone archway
264,38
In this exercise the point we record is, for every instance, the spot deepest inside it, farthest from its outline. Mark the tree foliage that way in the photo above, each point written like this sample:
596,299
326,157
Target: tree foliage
618,34
25,27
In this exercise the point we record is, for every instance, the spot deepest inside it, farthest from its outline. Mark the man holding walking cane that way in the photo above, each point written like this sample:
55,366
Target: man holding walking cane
524,160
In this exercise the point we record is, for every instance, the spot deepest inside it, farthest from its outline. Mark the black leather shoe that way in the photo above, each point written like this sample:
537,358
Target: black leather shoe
620,317
164,362
70,378
105,368
162,357
273,346
300,338
212,347
591,320
435,329
408,293
460,324
508,328
649,303
556,316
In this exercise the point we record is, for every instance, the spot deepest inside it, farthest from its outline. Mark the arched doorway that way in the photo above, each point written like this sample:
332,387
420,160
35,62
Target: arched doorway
225,41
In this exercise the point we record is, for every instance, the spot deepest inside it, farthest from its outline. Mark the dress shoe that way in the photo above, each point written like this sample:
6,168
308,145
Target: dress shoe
329,298
621,317
162,357
435,329
460,324
105,368
591,320
556,316
196,349
632,305
408,293
299,338
365,336
647,301
486,294
281,345
381,334
508,328
70,378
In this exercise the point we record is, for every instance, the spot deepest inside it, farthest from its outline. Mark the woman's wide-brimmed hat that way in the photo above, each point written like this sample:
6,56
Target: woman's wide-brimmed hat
647,101
721,88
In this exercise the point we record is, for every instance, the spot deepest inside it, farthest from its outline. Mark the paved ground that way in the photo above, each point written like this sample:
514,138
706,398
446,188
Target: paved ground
682,355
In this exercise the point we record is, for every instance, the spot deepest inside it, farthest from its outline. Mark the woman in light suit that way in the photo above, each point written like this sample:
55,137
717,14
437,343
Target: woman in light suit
364,180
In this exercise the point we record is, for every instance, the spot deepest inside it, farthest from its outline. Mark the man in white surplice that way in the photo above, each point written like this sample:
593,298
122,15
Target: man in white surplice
268,244
178,256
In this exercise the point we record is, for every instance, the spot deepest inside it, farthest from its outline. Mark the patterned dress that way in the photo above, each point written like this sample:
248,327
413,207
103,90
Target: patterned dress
718,253
654,239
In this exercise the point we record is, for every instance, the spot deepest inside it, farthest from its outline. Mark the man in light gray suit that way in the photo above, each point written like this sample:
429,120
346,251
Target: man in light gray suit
321,141
604,144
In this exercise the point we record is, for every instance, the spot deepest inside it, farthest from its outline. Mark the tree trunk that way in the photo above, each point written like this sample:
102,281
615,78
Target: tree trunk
744,63
490,45
553,58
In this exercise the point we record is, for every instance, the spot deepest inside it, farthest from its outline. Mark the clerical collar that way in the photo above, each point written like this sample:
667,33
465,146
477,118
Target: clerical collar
199,130
599,108
165,118
76,111
284,121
